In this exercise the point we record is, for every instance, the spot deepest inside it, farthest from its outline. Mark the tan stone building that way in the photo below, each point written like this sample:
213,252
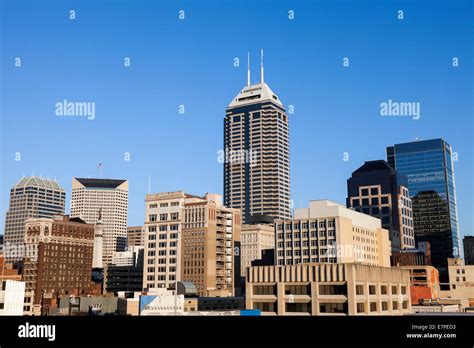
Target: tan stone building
461,280
210,235
136,236
328,289
191,238
254,239
163,226
329,232
58,257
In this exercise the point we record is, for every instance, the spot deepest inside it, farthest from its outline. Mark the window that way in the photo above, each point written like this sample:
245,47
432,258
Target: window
365,192
264,290
359,289
384,306
355,203
163,217
360,307
333,307
384,200
394,290
383,290
174,216
375,201
374,191
332,290
373,306
404,290
365,201
152,217
297,289
372,290
395,305
298,308
265,306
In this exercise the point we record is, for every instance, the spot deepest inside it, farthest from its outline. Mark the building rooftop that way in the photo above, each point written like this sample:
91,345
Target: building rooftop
36,181
100,183
371,166
252,94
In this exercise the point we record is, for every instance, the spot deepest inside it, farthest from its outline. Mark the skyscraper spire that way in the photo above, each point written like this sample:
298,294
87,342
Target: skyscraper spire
261,66
248,68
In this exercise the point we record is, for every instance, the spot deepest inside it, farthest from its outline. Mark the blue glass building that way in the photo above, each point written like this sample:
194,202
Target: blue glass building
429,167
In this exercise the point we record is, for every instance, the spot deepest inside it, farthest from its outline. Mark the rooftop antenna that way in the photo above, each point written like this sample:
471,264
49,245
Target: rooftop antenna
248,68
261,66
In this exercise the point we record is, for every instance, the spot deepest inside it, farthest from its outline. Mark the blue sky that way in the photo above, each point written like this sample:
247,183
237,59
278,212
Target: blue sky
190,62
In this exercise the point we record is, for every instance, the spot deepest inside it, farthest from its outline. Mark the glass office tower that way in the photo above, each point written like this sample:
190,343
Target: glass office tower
429,167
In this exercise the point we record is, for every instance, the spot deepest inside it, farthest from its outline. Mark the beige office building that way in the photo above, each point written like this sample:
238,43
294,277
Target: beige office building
254,239
163,224
31,197
211,235
328,289
461,280
90,196
329,232
136,236
191,238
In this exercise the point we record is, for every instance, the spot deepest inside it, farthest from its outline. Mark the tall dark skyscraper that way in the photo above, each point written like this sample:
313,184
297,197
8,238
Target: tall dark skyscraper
468,242
378,190
429,167
257,153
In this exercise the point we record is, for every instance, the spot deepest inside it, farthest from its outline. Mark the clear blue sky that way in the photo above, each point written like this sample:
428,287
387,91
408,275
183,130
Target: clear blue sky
190,62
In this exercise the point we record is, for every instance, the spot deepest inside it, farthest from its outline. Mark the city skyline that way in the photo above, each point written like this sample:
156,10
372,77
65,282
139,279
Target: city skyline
319,136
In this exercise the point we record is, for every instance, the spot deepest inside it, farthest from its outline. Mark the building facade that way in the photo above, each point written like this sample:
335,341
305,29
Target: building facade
254,239
163,227
31,197
328,289
461,280
424,283
378,190
256,153
192,239
468,243
58,257
136,236
327,232
90,197
12,295
211,246
429,167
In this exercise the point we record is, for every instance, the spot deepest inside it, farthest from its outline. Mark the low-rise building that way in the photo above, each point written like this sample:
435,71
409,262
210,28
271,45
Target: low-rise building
424,283
12,295
58,258
329,232
461,280
328,289
254,239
